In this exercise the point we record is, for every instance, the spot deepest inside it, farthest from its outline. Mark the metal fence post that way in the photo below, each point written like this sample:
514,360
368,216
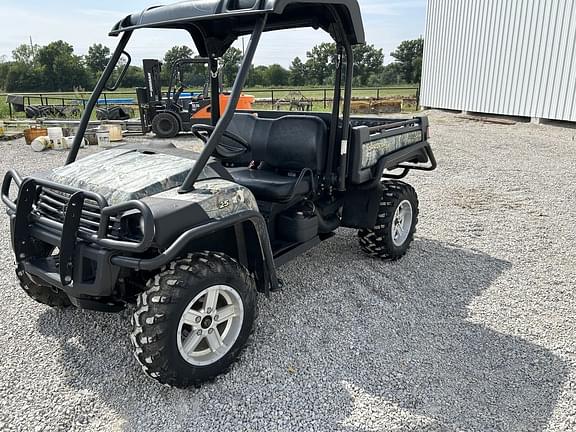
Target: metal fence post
325,99
272,99
378,94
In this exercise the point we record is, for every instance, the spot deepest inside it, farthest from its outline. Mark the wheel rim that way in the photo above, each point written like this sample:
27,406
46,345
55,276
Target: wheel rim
402,223
210,325
165,126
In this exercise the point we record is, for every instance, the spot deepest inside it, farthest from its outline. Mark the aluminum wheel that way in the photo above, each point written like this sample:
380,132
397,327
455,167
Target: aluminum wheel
402,223
210,325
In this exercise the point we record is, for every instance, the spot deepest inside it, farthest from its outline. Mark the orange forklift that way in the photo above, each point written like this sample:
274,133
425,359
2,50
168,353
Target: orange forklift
168,116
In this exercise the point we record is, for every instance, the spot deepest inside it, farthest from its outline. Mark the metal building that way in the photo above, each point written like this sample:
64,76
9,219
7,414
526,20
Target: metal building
507,57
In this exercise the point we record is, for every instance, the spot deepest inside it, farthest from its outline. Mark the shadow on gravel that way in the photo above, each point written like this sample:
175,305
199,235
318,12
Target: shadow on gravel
351,343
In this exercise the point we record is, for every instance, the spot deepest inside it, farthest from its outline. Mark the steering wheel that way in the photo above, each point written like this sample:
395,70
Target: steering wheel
224,150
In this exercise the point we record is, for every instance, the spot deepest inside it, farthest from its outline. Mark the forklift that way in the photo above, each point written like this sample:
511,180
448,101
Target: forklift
168,117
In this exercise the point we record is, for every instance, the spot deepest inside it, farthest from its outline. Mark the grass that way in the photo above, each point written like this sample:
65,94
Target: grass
317,94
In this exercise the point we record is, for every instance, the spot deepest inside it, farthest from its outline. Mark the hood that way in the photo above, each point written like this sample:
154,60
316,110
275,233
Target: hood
121,175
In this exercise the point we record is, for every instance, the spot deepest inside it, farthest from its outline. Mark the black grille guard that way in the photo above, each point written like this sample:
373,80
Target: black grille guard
26,223
29,190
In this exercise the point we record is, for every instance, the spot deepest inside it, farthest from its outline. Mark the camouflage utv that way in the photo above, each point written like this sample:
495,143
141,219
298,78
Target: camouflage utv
192,238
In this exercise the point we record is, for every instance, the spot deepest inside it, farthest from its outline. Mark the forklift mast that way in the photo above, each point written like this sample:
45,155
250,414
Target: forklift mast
152,69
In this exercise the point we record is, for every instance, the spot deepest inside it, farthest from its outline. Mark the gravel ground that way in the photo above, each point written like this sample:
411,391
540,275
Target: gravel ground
473,331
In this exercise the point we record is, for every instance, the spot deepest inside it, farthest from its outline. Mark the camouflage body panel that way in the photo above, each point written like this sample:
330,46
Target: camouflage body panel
373,151
219,198
121,175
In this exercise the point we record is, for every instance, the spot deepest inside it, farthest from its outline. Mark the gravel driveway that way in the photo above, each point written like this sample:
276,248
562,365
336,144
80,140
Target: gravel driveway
473,331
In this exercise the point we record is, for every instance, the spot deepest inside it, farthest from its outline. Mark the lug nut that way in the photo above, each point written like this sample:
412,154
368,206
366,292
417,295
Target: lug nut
199,332
216,318
198,319
210,331
209,310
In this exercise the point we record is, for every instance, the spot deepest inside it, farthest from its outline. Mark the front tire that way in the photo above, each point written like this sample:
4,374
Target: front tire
46,295
165,125
194,319
396,223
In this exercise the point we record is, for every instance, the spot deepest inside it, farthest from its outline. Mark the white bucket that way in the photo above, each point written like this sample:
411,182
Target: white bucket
103,137
41,144
59,144
55,134
67,142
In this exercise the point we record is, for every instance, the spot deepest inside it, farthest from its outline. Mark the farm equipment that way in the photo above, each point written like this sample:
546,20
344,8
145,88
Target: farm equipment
167,117
192,243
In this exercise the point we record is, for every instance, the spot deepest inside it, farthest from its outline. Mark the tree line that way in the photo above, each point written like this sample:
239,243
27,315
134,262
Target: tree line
55,67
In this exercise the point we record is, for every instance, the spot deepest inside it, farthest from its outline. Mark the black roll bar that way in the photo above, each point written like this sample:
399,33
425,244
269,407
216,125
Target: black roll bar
95,95
346,116
335,114
222,125
214,91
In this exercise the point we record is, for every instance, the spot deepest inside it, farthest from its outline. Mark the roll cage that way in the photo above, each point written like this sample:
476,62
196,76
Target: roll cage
214,25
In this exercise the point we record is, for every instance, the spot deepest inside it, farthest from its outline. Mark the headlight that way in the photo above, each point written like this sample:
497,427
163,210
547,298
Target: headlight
132,227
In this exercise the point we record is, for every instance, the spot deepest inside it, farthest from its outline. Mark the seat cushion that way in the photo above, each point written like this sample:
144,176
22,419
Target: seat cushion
269,186
287,143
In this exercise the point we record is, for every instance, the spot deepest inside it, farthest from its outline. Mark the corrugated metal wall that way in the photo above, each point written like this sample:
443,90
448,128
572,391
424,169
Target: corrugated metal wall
510,57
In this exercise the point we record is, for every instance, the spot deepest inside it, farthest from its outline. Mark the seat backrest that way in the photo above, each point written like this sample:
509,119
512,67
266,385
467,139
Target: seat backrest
288,143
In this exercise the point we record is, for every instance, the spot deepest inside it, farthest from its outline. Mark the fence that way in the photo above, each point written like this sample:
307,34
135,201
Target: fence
264,97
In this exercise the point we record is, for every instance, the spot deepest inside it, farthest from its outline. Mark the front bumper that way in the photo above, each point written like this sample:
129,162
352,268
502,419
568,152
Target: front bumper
82,227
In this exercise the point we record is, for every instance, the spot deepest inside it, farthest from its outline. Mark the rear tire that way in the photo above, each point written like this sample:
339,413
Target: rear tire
194,320
165,125
396,223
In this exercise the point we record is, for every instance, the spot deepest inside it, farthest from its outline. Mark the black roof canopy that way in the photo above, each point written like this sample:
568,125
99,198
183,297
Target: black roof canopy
216,24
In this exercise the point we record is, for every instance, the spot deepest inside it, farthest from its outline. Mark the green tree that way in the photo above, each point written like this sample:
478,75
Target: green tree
62,70
392,74
97,57
25,54
277,75
22,77
231,64
409,55
177,53
4,69
172,56
368,61
134,77
258,77
298,73
321,64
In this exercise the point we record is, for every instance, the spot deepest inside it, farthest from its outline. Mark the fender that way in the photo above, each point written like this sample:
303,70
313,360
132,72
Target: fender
266,273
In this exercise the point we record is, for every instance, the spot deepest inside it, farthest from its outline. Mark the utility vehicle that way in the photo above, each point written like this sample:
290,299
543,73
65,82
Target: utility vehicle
191,238
169,116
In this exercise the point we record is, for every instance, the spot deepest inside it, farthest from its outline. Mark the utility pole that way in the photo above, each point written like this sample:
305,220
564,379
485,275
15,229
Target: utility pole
32,46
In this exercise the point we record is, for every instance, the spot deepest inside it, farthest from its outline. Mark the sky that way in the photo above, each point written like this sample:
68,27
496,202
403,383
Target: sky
83,23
